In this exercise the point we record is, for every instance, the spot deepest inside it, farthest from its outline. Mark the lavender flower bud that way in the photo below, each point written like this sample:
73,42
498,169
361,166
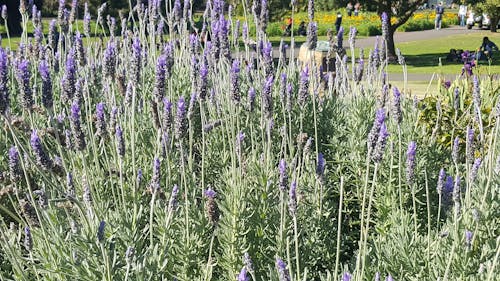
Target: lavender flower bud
251,99
180,120
340,37
86,20
23,76
193,107
312,35
235,85
454,151
410,163
359,70
14,164
203,82
139,177
243,275
248,263
310,10
52,36
292,199
352,36
87,195
267,99
136,61
346,276
239,145
440,183
167,114
475,169
212,125
381,142
389,278
100,231
283,273
28,239
155,180
225,51
29,213
320,167
283,181
47,99
80,50
4,12
172,203
303,87
468,238
109,60
120,142
264,15
76,129
42,159
69,79
100,120
211,207
470,144
129,254
70,186
4,79
159,86
67,139
396,109
374,132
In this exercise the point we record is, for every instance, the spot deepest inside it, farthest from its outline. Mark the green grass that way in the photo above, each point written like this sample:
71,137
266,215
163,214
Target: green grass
423,56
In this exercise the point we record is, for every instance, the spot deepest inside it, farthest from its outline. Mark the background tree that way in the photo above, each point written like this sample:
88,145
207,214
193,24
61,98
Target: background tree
490,7
401,11
14,16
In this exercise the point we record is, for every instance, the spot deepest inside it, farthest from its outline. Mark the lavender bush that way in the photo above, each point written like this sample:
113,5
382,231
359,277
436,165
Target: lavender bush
188,157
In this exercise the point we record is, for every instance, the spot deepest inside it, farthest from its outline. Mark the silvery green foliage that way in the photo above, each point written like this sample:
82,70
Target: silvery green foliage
155,157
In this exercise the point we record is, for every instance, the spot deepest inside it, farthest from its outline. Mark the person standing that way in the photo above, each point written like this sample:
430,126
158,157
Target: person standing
349,9
462,12
439,15
338,21
357,6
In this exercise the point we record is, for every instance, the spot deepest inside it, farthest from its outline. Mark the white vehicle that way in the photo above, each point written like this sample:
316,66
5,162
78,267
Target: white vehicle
483,21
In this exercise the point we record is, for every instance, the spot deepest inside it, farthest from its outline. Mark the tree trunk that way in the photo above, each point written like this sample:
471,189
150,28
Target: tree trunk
493,24
391,49
13,17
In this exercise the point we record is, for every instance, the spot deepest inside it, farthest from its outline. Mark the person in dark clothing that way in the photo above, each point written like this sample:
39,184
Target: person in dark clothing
486,50
338,21
302,31
439,15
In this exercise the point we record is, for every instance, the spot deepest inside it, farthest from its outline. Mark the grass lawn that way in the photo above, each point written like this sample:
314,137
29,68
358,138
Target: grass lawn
424,56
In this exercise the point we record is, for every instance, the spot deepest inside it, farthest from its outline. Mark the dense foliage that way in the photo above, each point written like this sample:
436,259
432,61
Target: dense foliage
138,158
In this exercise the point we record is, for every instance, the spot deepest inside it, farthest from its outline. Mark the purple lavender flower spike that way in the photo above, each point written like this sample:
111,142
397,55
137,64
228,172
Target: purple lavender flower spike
4,12
251,99
42,159
321,164
475,169
159,87
47,99
4,90
243,275
69,78
76,130
374,132
136,61
303,87
235,85
120,142
377,276
100,231
70,185
283,180
468,238
470,144
454,151
283,273
177,12
440,182
14,164
210,193
267,98
167,114
172,203
396,109
155,180
23,76
28,239
381,142
80,50
310,10
180,119
359,70
140,177
410,162
193,106
389,278
86,20
292,199
203,83
109,60
346,276
100,120
312,35
248,263
340,37
264,15
225,51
